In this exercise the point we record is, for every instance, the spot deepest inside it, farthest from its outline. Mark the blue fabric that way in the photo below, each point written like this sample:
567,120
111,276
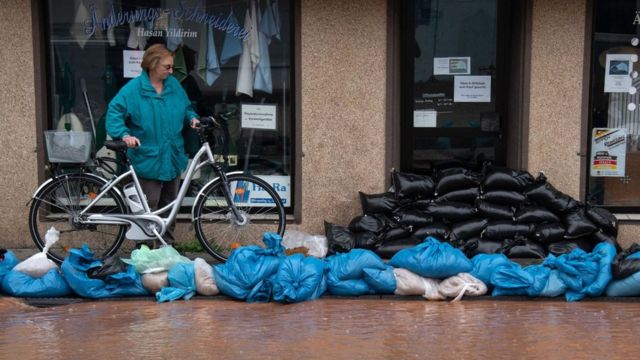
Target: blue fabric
157,121
432,259
212,68
635,255
299,278
51,284
350,265
606,253
75,268
173,41
268,24
381,281
352,287
248,267
182,283
514,280
10,260
629,286
232,45
262,80
555,286
484,266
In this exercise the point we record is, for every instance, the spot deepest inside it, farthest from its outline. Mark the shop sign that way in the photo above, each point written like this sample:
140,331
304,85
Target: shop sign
250,194
608,152
258,116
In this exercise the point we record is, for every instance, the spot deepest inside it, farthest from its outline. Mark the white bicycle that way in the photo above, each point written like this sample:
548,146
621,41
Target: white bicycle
87,208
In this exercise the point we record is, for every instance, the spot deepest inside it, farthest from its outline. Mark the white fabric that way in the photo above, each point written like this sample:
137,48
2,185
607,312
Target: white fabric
38,265
78,28
205,281
154,282
250,54
462,284
317,245
408,283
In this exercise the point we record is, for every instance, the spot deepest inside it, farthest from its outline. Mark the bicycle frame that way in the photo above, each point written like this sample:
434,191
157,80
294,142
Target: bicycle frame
149,224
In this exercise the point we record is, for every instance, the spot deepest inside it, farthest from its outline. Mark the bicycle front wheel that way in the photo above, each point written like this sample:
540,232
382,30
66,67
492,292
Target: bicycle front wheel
59,204
218,228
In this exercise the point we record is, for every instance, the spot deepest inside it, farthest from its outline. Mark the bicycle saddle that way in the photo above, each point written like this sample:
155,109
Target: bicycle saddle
116,145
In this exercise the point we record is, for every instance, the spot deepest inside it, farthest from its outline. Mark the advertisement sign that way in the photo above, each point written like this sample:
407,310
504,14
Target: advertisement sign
617,70
131,63
248,194
608,152
258,116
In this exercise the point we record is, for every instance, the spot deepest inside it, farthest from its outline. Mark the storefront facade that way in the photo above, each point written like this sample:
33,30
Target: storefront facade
357,88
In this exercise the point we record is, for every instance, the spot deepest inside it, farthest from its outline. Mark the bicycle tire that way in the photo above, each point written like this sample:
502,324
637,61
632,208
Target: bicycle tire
57,203
213,219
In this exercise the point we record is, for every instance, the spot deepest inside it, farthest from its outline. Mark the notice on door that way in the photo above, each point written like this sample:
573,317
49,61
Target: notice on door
425,118
258,116
451,65
472,89
608,152
617,75
131,63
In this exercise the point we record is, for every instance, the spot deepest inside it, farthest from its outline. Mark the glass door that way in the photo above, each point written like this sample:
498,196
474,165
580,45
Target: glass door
454,83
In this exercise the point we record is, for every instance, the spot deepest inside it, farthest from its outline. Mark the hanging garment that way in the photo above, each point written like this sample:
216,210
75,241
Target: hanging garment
250,54
232,44
136,39
208,65
77,30
174,39
262,80
268,24
276,18
180,70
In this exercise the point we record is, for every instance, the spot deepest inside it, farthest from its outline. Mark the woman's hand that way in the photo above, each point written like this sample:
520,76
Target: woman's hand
131,141
195,123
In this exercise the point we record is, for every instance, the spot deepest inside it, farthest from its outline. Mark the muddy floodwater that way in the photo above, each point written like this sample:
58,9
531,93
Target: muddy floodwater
328,328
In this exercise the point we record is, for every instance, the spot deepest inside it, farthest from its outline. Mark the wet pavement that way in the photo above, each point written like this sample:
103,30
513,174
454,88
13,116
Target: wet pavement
332,328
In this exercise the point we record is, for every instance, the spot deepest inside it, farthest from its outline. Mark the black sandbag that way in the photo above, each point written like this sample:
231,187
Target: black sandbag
2,253
546,195
477,246
339,238
395,234
438,231
467,196
504,197
623,267
411,186
367,240
387,250
366,223
566,246
507,179
603,219
412,217
535,215
500,230
378,203
467,229
110,265
494,211
457,181
549,233
523,248
452,211
601,236
577,224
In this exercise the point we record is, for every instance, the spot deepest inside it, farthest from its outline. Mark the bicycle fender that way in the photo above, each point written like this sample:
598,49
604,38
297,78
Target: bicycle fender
206,186
42,187
44,184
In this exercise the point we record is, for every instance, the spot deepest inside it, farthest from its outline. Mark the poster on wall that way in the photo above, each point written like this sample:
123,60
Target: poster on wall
451,65
617,71
608,152
131,63
258,116
250,194
472,89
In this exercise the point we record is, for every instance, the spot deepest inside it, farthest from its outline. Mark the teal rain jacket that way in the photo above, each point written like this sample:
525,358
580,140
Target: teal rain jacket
157,121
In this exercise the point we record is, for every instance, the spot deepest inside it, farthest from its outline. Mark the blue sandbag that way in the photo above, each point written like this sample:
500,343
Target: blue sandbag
10,260
381,281
349,266
484,266
351,287
299,278
607,253
555,286
182,283
629,286
51,284
432,259
249,267
79,261
577,270
515,280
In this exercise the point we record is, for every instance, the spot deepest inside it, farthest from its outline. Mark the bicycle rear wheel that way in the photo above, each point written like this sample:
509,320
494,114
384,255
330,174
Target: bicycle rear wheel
217,228
59,204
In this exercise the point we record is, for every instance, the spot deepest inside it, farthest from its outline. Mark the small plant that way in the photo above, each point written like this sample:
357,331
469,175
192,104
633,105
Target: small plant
191,246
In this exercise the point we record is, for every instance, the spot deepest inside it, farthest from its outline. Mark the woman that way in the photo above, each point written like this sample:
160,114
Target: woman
148,114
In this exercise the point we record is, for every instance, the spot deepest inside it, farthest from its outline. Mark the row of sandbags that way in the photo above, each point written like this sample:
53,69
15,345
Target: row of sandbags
499,210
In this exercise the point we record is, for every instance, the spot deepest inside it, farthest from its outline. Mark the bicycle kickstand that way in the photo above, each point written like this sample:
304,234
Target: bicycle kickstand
159,237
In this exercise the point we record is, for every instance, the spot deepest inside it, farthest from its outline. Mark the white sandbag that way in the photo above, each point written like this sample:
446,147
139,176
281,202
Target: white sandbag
462,284
317,244
37,265
155,281
408,283
205,281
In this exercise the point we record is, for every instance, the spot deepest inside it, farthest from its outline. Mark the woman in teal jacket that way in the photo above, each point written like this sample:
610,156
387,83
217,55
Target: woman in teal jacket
149,113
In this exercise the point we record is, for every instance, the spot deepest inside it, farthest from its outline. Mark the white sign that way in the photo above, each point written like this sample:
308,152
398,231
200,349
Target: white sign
425,118
451,66
250,194
131,63
260,116
617,70
472,89
608,152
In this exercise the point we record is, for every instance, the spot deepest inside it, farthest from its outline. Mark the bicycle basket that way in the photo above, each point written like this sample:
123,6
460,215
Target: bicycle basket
68,146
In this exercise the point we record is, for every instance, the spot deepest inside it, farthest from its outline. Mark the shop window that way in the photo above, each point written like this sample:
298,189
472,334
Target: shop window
614,132
94,48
